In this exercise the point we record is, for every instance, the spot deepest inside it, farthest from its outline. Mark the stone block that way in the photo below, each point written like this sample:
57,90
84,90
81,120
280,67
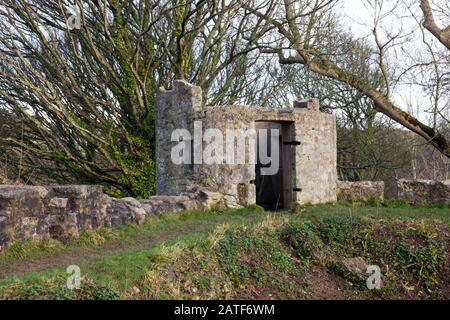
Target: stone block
424,191
360,191
122,212
309,104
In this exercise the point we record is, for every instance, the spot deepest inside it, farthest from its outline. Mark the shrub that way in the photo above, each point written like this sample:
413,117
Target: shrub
303,239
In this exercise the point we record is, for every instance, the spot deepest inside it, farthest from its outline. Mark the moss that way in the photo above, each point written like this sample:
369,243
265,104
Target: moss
255,208
339,268
138,170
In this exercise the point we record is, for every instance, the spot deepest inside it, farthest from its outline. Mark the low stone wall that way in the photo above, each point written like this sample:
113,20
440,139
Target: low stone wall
424,191
360,191
61,212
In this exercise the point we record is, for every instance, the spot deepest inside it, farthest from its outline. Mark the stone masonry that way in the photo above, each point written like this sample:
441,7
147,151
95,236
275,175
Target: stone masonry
360,191
313,161
424,191
62,212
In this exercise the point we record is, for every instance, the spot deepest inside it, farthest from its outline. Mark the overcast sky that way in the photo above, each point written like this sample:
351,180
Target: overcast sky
359,18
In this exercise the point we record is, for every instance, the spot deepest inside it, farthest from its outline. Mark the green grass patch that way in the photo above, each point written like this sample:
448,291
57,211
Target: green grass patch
29,249
246,254
56,289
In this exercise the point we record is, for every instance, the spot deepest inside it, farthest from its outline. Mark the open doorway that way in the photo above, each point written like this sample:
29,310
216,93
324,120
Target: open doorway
275,191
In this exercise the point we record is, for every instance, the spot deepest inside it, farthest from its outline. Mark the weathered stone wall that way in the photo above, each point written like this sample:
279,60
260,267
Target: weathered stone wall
316,156
424,191
361,191
175,109
62,212
235,181
314,162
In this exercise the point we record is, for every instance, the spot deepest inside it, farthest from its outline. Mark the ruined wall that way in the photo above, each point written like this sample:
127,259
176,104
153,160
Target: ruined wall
316,156
175,109
235,181
424,191
360,191
314,174
62,212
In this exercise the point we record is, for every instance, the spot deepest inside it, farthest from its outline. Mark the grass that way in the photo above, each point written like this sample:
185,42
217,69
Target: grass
243,254
389,210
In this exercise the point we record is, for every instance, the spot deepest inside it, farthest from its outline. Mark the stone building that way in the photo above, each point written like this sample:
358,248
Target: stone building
306,150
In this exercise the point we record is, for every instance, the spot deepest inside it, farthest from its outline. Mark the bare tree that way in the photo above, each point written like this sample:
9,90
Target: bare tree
442,34
310,34
84,95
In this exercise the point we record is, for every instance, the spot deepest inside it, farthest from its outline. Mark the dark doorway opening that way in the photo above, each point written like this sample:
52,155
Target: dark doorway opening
275,191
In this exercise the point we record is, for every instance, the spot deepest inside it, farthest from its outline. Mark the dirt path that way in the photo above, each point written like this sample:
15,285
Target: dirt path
79,255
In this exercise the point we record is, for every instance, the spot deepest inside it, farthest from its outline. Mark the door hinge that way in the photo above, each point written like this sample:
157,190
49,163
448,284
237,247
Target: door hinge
292,143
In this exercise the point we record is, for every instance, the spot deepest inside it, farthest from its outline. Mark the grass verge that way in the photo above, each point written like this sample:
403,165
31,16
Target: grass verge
248,254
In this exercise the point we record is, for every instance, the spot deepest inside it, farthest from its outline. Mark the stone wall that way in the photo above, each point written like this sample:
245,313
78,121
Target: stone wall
316,156
175,110
314,174
424,191
361,191
62,212
234,181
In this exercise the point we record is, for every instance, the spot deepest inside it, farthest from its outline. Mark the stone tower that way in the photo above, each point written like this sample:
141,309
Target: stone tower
306,146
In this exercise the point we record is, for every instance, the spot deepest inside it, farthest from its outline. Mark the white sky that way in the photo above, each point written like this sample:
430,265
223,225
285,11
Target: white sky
360,20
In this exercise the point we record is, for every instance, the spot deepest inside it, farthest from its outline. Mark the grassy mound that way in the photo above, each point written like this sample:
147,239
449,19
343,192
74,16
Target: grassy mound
285,256
271,260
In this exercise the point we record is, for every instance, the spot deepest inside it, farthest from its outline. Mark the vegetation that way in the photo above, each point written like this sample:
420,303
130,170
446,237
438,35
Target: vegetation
77,105
56,289
248,254
77,102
